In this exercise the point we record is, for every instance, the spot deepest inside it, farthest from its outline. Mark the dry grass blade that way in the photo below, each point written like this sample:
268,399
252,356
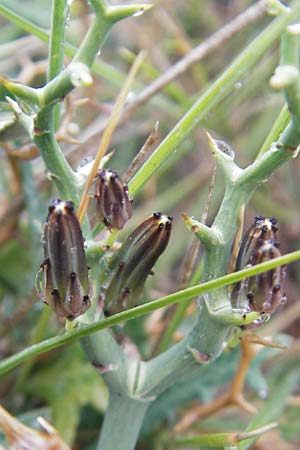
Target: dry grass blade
108,132
142,155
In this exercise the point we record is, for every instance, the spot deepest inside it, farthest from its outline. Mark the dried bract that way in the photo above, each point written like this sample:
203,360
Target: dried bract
130,267
65,284
21,437
113,205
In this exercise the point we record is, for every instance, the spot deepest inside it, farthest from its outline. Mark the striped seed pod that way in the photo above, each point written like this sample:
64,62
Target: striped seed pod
65,285
130,267
261,292
260,231
113,205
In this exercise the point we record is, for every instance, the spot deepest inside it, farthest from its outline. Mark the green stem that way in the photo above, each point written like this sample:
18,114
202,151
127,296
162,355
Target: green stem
66,181
202,345
290,56
122,423
187,294
108,357
238,191
93,40
279,126
99,67
166,340
23,23
56,47
57,38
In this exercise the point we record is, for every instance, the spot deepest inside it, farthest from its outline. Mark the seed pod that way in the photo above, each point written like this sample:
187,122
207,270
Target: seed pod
261,292
261,230
130,267
113,205
65,285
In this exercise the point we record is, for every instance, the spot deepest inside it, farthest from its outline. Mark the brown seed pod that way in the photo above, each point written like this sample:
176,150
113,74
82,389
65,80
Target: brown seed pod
131,266
64,285
261,292
113,205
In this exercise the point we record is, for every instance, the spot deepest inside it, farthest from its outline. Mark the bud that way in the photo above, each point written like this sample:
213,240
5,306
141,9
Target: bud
130,267
65,284
113,205
261,292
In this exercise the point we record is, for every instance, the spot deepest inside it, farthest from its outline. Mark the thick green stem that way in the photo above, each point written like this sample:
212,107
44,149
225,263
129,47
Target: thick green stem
202,345
59,170
109,358
122,423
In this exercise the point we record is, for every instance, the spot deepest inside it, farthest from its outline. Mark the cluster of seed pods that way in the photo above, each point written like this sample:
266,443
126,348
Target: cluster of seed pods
261,292
63,278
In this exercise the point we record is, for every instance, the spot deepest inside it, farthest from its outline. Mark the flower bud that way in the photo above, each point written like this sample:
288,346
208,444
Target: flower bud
65,285
130,267
113,205
261,292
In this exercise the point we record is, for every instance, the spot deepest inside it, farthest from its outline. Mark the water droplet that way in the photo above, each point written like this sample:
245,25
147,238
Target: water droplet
238,85
267,306
263,394
29,110
294,28
274,147
296,152
99,52
130,97
283,300
139,12
225,149
68,14
40,282
73,129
